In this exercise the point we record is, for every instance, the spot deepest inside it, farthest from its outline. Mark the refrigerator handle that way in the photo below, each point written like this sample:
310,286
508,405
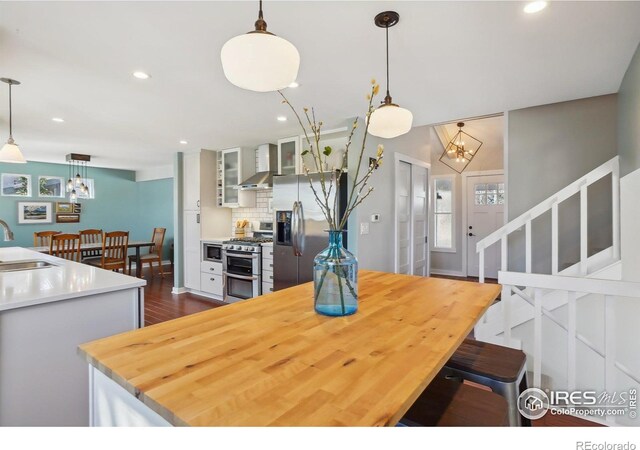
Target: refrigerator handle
300,229
294,229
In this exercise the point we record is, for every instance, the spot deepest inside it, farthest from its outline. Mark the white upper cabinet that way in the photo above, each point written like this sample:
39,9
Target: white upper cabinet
191,181
289,156
238,164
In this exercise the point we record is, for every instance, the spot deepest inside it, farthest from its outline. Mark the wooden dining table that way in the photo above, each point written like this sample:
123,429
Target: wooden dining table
273,361
136,245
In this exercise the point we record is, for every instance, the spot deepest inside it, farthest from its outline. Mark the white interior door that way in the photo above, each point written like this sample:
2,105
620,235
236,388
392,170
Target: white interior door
412,213
403,217
485,214
419,207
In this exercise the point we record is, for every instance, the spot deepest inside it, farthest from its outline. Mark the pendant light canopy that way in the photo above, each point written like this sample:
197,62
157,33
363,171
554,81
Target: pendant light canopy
10,152
260,61
389,120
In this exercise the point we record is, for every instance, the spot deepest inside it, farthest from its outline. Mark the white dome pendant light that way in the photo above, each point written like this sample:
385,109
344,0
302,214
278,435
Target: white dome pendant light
389,120
260,61
10,152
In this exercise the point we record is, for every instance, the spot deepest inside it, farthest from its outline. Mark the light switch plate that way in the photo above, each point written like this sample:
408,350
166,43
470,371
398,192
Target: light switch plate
364,228
375,217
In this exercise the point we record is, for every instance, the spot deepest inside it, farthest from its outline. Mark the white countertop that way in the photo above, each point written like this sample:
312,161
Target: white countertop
65,280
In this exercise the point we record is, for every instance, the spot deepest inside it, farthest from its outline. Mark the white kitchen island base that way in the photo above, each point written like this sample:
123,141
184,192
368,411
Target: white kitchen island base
44,315
112,406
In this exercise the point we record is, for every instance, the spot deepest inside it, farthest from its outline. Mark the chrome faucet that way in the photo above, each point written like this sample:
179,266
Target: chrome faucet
8,234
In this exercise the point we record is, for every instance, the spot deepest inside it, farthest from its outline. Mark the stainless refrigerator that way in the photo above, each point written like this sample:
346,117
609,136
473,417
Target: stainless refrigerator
300,228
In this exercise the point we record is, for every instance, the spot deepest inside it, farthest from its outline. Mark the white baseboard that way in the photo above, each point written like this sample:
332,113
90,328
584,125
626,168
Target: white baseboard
181,290
450,273
204,294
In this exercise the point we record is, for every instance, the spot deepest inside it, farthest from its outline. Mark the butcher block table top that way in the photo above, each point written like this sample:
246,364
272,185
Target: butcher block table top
272,361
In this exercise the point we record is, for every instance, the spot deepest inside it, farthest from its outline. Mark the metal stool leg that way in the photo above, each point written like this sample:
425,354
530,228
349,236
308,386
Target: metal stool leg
510,391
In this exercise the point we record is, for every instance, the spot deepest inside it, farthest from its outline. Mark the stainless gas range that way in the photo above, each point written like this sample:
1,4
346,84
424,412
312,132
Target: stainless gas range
242,268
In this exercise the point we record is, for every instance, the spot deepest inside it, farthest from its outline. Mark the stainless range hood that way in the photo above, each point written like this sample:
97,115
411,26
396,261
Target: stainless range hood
267,168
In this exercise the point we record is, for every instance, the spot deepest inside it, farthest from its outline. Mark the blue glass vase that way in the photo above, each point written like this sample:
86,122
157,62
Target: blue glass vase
335,279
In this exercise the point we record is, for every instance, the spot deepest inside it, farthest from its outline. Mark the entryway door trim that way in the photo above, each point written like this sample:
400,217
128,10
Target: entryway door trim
398,158
465,223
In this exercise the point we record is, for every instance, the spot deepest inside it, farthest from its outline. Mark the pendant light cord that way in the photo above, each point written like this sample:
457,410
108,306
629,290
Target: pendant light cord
387,32
10,114
260,12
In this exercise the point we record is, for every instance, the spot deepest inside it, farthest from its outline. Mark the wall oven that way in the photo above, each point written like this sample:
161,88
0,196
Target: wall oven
212,252
242,273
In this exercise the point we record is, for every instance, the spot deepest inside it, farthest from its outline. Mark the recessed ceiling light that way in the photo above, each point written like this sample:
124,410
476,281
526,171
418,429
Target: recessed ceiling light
294,84
58,119
141,75
282,118
534,7
183,142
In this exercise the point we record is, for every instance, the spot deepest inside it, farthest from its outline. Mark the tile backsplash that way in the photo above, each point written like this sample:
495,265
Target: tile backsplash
258,214
255,215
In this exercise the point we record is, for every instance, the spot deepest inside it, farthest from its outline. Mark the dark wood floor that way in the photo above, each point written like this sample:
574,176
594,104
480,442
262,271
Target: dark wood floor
161,305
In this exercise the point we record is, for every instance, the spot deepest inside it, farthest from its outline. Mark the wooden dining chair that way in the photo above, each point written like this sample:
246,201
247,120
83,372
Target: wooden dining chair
155,252
91,236
114,251
43,238
66,246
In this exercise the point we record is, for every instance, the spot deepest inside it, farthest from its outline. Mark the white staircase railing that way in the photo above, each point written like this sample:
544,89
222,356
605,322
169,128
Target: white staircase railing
610,289
551,203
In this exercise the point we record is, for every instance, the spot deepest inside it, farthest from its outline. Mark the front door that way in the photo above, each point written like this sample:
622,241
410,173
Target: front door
485,213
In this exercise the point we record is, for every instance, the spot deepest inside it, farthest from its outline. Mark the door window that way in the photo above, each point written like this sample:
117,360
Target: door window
489,194
443,189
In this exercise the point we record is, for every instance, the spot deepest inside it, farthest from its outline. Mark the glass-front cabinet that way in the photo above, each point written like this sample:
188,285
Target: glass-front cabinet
230,178
336,139
237,164
289,156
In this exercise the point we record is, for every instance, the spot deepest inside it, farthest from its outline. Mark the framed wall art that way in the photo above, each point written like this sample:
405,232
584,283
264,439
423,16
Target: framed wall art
67,218
51,186
34,212
15,185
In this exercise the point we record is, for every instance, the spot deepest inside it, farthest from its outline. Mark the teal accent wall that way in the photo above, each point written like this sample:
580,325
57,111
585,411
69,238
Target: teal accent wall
120,203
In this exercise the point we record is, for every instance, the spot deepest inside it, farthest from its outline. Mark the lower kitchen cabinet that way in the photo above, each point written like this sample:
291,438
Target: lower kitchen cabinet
211,278
267,269
211,283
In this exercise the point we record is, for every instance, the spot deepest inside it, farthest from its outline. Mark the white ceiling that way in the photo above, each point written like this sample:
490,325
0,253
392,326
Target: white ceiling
449,60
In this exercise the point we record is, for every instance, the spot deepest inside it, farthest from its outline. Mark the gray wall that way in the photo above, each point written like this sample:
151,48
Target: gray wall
629,117
375,251
488,158
549,147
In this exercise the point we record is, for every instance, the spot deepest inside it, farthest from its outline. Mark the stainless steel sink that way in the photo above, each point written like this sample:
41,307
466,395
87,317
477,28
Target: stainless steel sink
13,266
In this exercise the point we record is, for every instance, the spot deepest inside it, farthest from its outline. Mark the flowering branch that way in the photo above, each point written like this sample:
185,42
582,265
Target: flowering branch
359,189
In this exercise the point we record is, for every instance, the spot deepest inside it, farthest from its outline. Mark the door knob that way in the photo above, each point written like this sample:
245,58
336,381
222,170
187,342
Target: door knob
471,234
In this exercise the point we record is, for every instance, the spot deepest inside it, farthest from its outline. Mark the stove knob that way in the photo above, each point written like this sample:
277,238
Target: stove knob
238,247
248,248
